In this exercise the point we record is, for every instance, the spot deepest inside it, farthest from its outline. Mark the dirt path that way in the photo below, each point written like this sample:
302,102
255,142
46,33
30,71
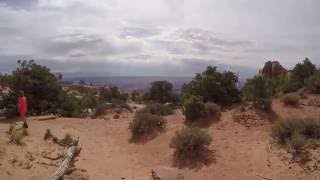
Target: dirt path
241,153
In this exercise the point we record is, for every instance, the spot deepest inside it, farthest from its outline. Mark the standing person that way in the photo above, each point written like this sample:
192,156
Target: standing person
22,108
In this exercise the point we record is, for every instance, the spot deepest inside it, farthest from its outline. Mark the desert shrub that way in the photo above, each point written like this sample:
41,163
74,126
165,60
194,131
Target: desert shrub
190,142
135,96
297,142
212,109
116,116
302,72
67,140
89,101
311,128
313,83
157,109
112,94
102,108
11,128
70,107
146,123
290,85
291,99
16,135
126,106
160,91
277,84
214,86
284,130
263,104
117,110
194,108
302,93
47,135
257,90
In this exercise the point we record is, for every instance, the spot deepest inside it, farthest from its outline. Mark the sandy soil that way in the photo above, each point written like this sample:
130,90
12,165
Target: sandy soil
241,153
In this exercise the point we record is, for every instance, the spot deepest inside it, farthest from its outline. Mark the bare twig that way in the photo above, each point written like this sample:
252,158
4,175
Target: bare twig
264,177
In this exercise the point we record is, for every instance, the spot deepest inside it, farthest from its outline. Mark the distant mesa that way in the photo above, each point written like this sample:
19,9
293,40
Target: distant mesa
272,69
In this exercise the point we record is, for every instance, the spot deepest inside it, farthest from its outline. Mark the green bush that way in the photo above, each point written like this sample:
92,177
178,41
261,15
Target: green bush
194,108
70,107
190,142
313,83
161,92
259,91
302,72
212,85
212,109
112,94
146,124
157,109
43,91
291,99
89,101
102,108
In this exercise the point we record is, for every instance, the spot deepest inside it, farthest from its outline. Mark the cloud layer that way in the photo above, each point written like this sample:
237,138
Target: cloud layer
161,37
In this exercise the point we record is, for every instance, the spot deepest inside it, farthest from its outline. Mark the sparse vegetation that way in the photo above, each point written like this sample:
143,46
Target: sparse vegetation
190,143
146,124
291,99
295,132
157,109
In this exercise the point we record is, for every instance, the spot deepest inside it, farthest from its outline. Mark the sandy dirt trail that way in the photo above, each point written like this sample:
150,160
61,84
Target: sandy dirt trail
241,153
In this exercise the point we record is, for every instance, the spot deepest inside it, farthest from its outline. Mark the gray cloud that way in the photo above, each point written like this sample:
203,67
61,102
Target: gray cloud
160,37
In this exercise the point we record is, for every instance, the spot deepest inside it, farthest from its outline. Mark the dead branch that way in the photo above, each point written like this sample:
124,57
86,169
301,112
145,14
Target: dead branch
67,163
264,177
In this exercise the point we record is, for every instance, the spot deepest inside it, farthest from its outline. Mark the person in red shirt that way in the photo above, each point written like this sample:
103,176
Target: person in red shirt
22,108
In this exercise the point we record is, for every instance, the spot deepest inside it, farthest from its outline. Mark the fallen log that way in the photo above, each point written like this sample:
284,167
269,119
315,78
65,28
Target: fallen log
67,163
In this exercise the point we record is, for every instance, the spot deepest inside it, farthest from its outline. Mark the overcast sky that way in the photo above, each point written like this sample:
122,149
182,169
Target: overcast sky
158,37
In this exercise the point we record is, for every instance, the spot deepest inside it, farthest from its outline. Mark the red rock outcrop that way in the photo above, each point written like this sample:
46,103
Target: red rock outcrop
272,69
